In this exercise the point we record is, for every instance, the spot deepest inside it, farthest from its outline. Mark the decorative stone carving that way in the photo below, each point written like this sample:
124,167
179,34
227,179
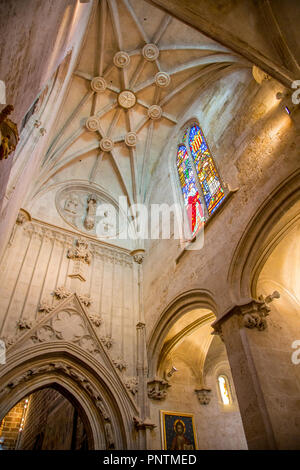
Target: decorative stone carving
120,364
23,217
126,99
67,370
131,139
132,384
150,52
71,203
141,425
85,299
92,123
81,256
90,218
24,324
157,388
107,341
62,292
138,255
162,79
45,307
109,435
68,326
254,314
45,333
121,59
98,84
203,395
9,135
95,319
106,144
155,112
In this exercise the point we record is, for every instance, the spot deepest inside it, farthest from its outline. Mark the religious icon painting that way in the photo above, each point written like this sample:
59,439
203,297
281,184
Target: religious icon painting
178,431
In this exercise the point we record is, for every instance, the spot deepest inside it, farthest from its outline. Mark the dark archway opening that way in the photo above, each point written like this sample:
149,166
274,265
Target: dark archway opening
44,420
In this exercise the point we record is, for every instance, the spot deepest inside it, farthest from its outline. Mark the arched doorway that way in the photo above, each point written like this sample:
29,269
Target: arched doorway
45,420
96,394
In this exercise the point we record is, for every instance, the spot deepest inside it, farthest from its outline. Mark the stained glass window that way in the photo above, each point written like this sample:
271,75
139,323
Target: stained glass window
189,189
207,173
223,386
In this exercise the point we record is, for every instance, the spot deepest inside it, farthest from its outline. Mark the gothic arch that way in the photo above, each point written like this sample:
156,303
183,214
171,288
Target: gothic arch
262,234
181,305
105,411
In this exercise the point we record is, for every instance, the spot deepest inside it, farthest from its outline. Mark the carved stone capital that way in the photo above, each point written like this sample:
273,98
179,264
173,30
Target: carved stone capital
157,388
203,395
252,315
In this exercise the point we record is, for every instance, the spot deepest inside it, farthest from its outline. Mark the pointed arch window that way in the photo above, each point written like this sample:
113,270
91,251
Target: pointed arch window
224,389
201,185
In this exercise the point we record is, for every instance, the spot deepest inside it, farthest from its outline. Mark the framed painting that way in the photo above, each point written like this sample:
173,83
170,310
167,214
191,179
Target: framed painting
177,431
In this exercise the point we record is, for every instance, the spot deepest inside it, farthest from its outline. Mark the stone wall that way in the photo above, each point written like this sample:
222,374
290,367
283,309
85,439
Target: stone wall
10,426
36,263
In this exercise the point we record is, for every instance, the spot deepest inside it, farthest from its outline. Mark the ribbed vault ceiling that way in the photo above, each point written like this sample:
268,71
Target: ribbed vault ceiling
139,70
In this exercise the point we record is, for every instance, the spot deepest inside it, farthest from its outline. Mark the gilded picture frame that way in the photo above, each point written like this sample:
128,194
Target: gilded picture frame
178,431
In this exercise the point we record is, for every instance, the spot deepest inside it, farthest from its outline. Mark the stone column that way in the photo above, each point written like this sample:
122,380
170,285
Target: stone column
236,329
142,423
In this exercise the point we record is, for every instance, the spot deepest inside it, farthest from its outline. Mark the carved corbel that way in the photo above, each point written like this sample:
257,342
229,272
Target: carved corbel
157,388
254,314
141,425
138,255
204,395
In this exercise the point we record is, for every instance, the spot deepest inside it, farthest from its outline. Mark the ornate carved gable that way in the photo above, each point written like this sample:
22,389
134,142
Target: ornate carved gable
67,321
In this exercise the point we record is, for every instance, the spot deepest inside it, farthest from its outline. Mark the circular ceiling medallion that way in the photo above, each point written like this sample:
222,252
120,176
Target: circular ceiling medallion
92,123
162,79
130,139
106,144
126,99
121,59
98,84
154,112
150,52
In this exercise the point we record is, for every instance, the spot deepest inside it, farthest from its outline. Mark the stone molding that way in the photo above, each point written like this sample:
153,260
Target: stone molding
99,249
